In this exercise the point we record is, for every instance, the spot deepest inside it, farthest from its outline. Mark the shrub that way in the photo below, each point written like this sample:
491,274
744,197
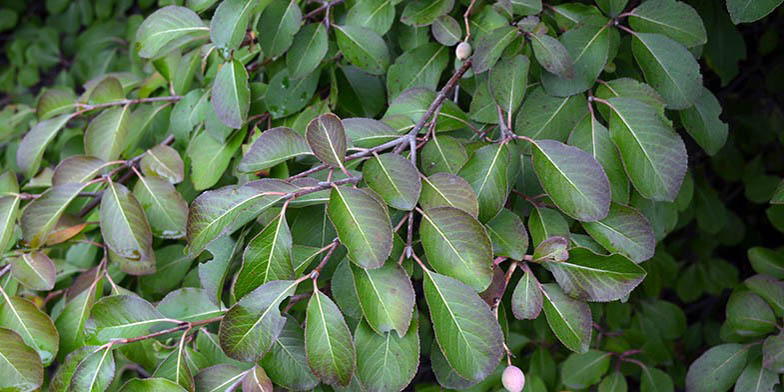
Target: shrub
379,195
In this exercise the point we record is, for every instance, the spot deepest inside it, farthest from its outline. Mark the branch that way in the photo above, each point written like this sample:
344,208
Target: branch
181,327
87,108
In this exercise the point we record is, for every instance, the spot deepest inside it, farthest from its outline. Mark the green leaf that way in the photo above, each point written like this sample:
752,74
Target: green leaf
189,304
164,207
364,48
33,326
210,158
545,117
175,367
285,363
419,67
413,103
80,298
55,101
766,261
448,190
614,382
19,363
108,90
653,154
266,258
486,171
624,231
508,234
105,136
589,46
231,94
527,297
489,47
228,25
773,353
362,224
257,380
552,55
674,19
755,378
31,148
466,330
377,15
9,212
446,30
278,24
612,8
386,362
34,270
43,213
573,179
569,318
446,376
443,154
457,245
669,67
167,28
251,326
749,314
164,162
592,137
327,138
508,80
125,229
581,370
717,369
218,377
655,380
368,133
544,223
307,51
395,179
703,123
746,11
424,12
553,249
153,384
386,297
122,316
328,342
286,96
593,277
62,377
224,210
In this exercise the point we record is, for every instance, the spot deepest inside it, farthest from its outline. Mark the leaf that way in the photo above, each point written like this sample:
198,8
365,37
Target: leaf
773,353
448,190
413,103
153,384
592,137
362,224
386,297
19,363
231,95
105,136
458,246
593,277
445,374
33,326
286,96
755,378
624,231
55,101
466,330
553,249
544,223
446,30
108,90
552,55
717,369
257,381
80,298
266,258
31,148
585,369
655,380
9,212
508,234
654,156
423,12
749,314
614,382
327,138
175,368
545,117
766,261
377,15
395,179
386,362
43,213
573,179
285,363
419,67
210,158
309,48
122,316
251,326
218,212
443,154
328,342
364,48
228,25
490,46
164,162
281,21
702,122
589,46
508,81
34,270
486,172
165,28
164,207
219,377
675,19
568,318
189,304
669,68
125,229
746,11
527,297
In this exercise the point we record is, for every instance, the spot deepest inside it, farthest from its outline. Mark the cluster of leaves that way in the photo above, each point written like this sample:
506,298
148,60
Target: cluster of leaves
323,195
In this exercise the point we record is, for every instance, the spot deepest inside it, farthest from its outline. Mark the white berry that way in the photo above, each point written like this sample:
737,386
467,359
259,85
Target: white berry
513,379
463,50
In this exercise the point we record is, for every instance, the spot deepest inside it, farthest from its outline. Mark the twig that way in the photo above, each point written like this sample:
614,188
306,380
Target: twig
181,327
316,271
322,8
86,108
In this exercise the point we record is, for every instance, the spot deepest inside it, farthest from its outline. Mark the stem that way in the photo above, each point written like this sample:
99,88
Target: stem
87,108
316,271
323,8
181,327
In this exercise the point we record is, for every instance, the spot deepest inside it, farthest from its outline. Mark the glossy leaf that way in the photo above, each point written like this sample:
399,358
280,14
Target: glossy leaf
282,20
362,224
328,342
386,362
527,297
625,231
166,210
34,270
163,161
19,363
486,171
307,51
364,48
285,363
569,319
166,26
266,258
448,190
386,297
125,229
669,68
42,214
717,369
395,179
672,18
231,95
31,148
33,326
327,138
122,316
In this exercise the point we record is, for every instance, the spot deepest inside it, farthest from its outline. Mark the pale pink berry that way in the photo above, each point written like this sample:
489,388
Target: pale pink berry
463,50
513,379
